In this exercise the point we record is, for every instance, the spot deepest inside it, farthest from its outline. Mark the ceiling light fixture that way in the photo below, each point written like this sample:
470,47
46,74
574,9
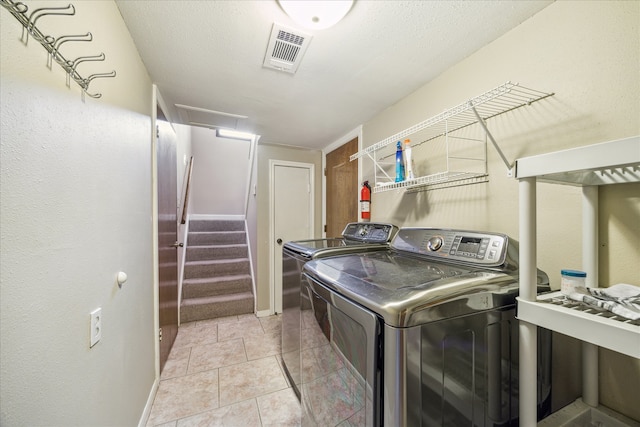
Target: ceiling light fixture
316,14
234,134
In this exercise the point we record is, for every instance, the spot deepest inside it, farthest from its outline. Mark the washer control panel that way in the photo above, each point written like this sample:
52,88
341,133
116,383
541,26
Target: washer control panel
488,249
369,232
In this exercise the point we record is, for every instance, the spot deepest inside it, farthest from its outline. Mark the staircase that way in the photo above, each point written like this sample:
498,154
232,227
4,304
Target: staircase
217,276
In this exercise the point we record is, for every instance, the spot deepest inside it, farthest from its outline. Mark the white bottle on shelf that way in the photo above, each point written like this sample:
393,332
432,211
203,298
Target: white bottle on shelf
408,160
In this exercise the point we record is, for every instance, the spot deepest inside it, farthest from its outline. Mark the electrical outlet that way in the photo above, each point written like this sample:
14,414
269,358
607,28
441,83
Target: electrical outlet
96,326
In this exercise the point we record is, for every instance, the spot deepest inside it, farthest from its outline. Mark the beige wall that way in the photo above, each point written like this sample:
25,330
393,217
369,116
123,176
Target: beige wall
264,154
76,208
588,53
220,173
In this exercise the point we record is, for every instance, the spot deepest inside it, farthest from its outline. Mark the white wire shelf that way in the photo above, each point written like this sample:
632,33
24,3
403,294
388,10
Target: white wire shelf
439,180
503,98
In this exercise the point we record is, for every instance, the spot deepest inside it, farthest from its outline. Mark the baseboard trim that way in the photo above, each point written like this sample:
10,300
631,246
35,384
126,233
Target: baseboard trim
193,217
263,313
147,408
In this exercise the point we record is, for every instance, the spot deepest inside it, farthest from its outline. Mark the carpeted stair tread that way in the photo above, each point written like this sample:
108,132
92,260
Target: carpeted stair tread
217,298
208,268
216,261
212,286
215,238
220,246
219,306
217,225
217,278
223,251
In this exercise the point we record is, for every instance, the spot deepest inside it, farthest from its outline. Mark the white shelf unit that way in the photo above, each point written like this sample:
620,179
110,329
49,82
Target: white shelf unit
613,162
477,110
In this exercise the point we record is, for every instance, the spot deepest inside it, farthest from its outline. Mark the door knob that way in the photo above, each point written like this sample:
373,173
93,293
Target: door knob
176,245
279,241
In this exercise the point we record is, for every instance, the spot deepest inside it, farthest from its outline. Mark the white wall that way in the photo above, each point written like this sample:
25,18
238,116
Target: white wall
184,152
220,171
75,209
588,53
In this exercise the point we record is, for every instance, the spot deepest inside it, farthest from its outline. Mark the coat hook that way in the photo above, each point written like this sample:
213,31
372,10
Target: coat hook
70,66
87,81
99,75
72,38
81,59
55,45
44,11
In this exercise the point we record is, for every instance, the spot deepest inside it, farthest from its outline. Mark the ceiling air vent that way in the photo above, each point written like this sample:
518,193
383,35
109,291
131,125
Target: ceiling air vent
286,48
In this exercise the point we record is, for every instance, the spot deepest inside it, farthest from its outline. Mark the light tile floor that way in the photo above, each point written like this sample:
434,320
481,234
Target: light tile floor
226,372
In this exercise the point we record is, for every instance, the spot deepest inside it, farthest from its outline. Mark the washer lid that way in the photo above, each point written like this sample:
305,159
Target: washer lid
312,249
407,291
308,247
355,235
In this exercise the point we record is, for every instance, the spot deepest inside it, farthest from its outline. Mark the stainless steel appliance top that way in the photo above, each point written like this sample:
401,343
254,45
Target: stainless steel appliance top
428,275
355,233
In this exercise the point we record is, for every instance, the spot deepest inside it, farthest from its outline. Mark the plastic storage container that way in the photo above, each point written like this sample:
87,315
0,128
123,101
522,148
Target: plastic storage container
572,281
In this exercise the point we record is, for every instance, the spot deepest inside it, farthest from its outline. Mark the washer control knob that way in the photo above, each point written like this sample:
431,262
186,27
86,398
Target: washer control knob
434,243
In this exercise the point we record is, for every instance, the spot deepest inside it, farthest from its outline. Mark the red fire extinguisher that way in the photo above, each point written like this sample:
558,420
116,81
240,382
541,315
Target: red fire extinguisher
365,201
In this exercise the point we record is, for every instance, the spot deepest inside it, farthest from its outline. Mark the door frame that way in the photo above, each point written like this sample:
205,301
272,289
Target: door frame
273,163
355,133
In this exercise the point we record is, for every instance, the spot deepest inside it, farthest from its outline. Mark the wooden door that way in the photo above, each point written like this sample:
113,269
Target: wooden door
292,214
167,235
343,189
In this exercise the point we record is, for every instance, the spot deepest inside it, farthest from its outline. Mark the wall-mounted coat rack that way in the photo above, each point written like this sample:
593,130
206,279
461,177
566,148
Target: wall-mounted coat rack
52,44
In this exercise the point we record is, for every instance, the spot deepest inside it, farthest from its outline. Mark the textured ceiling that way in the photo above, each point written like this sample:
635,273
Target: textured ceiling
209,54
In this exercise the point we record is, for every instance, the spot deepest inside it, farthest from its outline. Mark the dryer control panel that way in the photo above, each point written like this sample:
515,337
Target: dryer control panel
369,232
481,248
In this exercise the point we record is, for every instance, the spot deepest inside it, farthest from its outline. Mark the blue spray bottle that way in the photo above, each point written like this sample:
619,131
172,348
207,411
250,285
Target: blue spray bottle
399,163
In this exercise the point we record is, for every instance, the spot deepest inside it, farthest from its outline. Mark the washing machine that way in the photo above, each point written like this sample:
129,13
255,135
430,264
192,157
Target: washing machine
356,237
423,334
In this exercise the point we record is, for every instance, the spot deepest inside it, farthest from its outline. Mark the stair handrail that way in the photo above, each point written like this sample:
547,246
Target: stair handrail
187,192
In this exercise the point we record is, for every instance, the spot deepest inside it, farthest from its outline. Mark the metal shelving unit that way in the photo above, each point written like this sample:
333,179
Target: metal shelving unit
477,110
589,167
